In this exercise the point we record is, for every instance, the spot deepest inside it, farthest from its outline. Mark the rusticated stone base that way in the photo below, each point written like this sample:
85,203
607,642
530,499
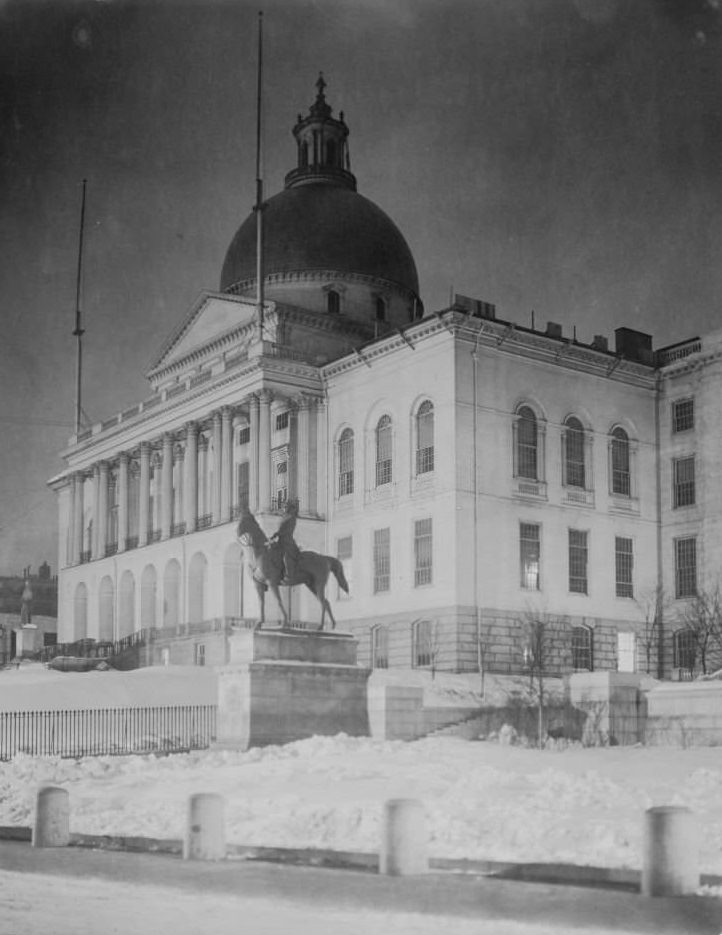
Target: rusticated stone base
282,686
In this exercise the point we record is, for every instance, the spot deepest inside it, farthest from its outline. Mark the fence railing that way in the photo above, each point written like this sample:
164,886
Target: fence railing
107,731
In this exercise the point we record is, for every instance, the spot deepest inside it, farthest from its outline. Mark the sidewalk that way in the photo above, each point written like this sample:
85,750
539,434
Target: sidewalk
81,891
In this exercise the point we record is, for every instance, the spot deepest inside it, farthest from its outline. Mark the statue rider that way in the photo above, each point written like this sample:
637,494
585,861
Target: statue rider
284,538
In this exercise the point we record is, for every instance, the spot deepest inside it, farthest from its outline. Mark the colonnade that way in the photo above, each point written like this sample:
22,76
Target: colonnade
183,480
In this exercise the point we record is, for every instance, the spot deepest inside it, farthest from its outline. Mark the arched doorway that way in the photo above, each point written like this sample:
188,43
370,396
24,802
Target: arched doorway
80,616
197,579
106,610
148,596
233,581
171,594
126,605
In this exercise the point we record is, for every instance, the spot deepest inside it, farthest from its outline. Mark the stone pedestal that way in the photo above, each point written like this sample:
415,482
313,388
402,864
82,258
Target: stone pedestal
283,685
613,704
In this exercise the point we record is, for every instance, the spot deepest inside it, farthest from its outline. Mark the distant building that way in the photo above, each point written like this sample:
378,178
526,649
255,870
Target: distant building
28,612
470,473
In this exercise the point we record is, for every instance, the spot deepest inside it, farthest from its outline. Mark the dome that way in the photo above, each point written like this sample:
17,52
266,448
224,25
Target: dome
321,226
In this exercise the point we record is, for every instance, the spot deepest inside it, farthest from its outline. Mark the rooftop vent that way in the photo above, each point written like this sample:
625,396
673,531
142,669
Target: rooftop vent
634,345
475,307
554,330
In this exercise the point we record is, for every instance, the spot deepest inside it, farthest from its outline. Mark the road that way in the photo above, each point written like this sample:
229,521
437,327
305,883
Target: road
74,891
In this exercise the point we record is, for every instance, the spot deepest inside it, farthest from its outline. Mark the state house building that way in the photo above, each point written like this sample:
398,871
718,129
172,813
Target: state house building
468,471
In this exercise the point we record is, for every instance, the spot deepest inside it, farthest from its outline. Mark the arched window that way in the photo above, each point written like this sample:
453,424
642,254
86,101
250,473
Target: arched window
233,581
80,623
148,589
380,309
621,478
197,577
126,605
684,649
425,438
380,647
106,610
582,649
384,471
424,650
574,456
331,152
333,301
527,444
171,594
345,463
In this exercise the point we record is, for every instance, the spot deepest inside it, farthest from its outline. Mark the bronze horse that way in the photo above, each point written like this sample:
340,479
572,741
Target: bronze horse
265,559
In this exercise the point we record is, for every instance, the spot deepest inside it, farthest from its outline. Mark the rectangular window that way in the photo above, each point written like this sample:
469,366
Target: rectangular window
626,652
683,415
200,654
684,493
382,560
623,563
379,647
244,435
423,649
423,549
344,553
242,482
685,567
282,420
577,561
529,550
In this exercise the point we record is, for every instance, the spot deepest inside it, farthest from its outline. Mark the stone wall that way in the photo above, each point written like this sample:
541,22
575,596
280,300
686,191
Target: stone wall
685,714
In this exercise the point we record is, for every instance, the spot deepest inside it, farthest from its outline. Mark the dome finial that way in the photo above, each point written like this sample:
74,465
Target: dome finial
320,107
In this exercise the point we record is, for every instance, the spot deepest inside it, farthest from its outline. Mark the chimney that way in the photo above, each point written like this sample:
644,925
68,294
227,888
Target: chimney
600,343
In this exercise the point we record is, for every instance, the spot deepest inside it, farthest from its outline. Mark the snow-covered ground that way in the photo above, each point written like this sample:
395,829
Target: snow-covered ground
483,800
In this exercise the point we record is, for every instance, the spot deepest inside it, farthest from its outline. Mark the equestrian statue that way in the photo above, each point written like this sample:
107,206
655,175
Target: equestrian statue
279,561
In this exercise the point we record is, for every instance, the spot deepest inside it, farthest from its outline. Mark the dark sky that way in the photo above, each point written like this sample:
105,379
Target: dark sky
555,155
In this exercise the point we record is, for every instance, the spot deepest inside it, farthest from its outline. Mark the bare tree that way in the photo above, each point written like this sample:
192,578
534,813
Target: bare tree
653,604
703,618
537,628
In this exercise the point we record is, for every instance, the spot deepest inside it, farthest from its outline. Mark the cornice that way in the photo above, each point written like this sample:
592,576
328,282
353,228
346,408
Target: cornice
315,275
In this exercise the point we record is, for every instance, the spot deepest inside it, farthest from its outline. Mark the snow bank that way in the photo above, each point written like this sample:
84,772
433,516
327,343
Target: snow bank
482,800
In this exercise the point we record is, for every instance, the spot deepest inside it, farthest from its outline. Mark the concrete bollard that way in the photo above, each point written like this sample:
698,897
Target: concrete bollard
670,861
403,839
205,837
52,818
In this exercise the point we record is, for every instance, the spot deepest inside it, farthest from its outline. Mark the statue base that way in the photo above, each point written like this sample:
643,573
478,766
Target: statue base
284,685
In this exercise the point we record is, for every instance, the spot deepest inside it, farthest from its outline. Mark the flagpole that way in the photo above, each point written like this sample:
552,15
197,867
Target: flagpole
78,332
259,180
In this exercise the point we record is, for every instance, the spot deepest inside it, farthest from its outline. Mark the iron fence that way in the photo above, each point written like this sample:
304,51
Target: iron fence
107,731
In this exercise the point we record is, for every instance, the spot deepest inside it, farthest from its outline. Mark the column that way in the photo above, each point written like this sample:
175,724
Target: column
217,466
144,494
94,547
253,454
178,482
77,519
166,481
102,508
191,477
226,463
122,502
302,453
264,451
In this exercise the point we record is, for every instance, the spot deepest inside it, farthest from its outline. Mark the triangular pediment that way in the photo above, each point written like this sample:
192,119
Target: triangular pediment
212,317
